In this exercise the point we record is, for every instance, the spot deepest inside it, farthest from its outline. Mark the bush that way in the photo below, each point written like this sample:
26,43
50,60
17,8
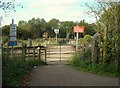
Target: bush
75,60
87,65
15,69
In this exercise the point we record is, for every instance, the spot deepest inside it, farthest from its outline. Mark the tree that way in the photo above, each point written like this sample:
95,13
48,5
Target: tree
67,29
8,6
51,25
107,25
110,19
5,30
38,27
24,30
88,28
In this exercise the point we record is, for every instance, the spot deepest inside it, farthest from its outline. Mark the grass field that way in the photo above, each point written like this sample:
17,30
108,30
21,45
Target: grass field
39,41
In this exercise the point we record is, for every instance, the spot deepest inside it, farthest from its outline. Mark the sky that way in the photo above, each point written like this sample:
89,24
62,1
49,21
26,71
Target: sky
64,10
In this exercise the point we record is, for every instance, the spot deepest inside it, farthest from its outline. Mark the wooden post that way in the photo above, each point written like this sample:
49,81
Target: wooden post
49,53
28,51
34,52
8,53
45,55
22,51
39,54
12,52
25,49
73,50
60,52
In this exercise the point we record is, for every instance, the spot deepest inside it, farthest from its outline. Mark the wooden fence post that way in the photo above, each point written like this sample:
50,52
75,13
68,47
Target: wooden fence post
74,50
39,57
8,53
34,52
25,51
45,55
60,52
28,49
22,51
12,52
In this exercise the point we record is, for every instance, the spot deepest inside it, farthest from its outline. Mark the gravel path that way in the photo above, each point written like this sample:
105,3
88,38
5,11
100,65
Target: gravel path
64,75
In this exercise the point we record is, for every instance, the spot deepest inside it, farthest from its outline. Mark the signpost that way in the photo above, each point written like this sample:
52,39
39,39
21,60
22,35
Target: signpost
0,53
13,34
56,32
78,29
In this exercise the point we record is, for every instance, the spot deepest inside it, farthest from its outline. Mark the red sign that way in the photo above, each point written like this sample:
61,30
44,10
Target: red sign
79,29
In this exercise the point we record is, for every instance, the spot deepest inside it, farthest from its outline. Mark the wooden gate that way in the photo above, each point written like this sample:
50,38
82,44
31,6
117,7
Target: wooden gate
59,52
35,52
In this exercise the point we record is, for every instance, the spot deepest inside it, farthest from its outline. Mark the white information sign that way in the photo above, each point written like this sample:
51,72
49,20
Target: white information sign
12,38
13,32
56,31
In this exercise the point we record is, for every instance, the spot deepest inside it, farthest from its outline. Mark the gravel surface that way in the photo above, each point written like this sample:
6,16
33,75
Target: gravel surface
65,75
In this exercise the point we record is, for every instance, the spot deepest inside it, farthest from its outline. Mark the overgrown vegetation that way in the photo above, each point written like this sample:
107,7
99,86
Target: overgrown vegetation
14,69
99,53
99,44
88,66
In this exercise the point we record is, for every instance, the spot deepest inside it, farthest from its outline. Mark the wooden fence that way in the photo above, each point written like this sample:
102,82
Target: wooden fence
36,52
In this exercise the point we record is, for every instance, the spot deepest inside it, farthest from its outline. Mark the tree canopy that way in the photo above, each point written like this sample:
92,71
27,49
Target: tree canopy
37,27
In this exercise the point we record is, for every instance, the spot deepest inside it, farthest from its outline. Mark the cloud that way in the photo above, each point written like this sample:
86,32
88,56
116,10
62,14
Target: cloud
52,8
48,9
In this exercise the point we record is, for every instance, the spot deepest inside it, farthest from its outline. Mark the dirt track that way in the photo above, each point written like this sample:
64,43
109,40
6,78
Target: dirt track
64,75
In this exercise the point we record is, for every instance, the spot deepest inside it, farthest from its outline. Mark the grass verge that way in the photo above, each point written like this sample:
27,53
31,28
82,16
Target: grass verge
15,69
100,69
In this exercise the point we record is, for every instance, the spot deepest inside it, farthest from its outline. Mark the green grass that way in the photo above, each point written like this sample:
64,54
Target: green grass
15,69
37,42
100,69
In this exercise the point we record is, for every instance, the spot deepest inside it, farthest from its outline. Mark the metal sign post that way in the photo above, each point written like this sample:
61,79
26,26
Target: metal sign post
0,53
77,30
56,32
13,34
77,42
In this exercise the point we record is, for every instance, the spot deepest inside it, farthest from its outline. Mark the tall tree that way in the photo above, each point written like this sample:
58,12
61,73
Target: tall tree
38,27
110,19
66,27
107,25
51,25
24,30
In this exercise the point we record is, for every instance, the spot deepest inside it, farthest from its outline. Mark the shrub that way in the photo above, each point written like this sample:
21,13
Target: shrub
87,65
15,69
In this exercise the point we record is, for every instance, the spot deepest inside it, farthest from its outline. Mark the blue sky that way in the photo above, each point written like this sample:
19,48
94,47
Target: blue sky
64,10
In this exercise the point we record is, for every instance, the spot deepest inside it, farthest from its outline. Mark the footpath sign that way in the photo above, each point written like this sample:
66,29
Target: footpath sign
13,34
79,29
56,32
